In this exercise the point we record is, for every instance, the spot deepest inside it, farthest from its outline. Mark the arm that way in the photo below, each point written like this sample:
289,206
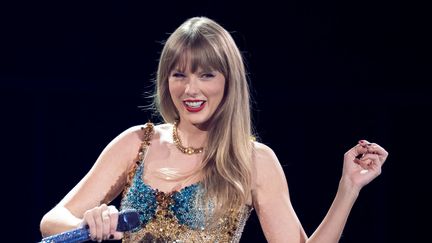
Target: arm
101,184
356,174
271,199
274,209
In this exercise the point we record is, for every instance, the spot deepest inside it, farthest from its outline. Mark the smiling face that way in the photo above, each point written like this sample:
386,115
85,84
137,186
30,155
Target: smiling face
196,95
201,77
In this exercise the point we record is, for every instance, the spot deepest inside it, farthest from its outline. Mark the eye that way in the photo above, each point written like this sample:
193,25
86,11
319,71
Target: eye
207,75
178,75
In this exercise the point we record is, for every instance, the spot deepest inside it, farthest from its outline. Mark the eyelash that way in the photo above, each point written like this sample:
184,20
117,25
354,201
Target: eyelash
207,75
204,75
178,75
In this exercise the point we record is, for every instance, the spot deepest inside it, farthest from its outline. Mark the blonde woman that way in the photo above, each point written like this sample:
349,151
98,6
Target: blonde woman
197,177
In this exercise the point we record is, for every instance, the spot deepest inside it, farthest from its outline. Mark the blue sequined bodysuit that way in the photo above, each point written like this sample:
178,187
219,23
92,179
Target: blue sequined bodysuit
178,216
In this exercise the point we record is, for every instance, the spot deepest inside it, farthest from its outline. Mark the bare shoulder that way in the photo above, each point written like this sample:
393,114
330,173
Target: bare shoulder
129,141
266,165
135,135
132,135
264,155
139,133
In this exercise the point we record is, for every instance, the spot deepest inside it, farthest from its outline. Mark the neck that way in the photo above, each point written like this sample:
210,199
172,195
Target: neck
192,135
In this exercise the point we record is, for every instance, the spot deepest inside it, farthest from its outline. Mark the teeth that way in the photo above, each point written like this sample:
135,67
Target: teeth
195,104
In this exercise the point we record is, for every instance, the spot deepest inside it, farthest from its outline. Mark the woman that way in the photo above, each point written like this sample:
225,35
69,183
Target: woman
196,177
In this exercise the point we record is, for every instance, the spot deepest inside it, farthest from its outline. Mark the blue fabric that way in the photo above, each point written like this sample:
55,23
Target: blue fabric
182,203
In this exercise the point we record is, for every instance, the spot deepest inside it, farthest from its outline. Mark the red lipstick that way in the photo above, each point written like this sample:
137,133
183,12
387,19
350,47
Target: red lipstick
194,105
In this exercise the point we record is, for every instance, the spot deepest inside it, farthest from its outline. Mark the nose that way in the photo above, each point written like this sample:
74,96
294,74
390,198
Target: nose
192,86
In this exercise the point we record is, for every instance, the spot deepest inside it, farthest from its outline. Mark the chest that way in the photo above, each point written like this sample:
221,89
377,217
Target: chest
179,216
168,169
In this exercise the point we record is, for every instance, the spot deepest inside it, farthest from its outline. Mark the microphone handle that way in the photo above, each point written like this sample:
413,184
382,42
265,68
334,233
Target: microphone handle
81,234
128,220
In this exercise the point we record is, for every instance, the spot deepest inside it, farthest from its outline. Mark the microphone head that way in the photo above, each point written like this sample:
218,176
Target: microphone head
128,220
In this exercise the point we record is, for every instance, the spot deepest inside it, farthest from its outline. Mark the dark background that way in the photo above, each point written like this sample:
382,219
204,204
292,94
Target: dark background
324,74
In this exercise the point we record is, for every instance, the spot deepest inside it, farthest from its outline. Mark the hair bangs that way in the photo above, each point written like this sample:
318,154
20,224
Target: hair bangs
198,54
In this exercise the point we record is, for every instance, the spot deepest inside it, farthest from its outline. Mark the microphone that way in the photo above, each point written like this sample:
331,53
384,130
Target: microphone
128,220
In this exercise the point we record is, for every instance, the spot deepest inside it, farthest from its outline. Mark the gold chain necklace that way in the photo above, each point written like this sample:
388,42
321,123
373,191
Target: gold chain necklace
178,144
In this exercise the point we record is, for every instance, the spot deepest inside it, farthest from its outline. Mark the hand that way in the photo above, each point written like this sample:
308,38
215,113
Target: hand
102,222
363,163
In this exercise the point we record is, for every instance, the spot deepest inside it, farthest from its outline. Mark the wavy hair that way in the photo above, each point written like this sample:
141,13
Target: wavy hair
226,169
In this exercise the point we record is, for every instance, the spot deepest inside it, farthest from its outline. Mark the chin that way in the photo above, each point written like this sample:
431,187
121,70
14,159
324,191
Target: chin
197,121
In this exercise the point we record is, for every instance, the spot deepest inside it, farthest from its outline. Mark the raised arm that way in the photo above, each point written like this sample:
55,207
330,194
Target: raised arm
274,209
101,184
362,164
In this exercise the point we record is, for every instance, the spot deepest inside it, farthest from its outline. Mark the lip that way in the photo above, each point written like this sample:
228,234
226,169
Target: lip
191,109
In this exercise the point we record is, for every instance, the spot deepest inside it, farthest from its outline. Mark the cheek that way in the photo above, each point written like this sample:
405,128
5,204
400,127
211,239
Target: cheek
175,93
218,90
174,89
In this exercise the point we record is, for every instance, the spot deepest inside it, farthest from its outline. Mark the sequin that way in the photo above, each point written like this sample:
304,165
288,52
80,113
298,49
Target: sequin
179,216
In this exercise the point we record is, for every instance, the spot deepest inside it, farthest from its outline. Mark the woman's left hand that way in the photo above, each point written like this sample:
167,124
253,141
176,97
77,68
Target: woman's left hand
363,163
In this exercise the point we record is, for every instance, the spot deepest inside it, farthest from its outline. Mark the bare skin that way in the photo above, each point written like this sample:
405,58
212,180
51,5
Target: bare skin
270,198
269,194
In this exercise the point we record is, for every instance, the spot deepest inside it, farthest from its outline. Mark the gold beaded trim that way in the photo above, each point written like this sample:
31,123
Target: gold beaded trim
147,136
178,144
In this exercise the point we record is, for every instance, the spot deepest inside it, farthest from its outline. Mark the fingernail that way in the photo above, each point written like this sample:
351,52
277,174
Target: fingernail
111,237
361,141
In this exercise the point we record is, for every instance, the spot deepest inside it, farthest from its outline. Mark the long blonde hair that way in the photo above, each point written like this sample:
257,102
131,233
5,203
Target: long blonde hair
226,167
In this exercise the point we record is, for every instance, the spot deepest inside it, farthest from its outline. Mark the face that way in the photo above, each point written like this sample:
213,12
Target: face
196,95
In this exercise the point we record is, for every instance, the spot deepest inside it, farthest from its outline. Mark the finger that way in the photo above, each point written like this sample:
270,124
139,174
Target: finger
116,236
106,222
375,149
99,222
89,220
372,146
363,142
356,152
371,161
380,151
113,213
364,163
368,156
